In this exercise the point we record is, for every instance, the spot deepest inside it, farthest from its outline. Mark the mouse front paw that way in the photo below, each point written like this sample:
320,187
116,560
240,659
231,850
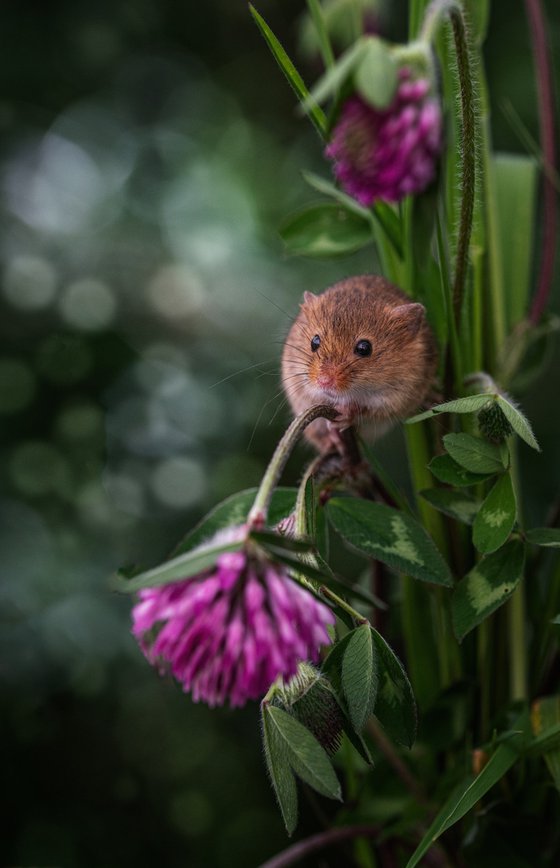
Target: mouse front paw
341,423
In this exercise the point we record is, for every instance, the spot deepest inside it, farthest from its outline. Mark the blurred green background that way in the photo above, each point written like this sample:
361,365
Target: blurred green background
149,150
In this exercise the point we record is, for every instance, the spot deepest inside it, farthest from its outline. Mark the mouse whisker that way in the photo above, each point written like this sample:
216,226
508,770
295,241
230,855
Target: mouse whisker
241,371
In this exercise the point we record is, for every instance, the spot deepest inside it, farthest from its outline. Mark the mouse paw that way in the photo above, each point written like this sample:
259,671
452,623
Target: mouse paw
341,423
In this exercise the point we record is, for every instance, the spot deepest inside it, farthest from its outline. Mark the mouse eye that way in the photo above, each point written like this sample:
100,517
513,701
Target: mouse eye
363,348
315,343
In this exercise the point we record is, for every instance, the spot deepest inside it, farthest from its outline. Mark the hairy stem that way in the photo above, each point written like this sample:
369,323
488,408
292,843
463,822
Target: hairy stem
435,14
259,510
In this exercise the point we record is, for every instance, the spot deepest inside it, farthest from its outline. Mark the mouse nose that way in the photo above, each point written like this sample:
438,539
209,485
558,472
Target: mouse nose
326,380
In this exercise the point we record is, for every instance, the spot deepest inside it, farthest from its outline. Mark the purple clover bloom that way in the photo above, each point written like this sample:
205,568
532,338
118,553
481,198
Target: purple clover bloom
231,631
388,154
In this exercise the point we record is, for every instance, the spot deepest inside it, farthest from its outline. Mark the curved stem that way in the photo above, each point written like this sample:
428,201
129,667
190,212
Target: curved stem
546,128
259,510
433,17
318,842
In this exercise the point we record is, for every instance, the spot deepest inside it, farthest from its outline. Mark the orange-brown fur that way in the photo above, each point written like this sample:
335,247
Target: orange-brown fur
372,392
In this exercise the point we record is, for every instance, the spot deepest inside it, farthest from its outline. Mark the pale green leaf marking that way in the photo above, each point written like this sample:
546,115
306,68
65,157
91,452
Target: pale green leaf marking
389,535
488,585
496,517
482,595
402,545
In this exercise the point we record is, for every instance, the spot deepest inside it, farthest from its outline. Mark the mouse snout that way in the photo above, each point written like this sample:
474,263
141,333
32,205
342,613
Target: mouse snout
329,377
326,380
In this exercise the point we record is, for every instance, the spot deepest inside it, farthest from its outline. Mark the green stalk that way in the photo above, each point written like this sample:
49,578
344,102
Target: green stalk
517,636
429,650
458,370
301,530
495,270
435,14
416,14
517,645
259,510
484,666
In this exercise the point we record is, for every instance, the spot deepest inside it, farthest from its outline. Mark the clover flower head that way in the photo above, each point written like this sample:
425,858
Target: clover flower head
392,153
232,630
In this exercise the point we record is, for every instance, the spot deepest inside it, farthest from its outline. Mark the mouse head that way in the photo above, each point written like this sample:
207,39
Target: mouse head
360,343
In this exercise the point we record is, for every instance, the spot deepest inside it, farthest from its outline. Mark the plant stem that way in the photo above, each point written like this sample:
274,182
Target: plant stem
483,661
517,645
301,529
318,842
546,127
259,510
342,604
432,19
517,638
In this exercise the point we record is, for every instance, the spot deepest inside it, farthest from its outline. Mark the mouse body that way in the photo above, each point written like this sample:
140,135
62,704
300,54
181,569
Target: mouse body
366,349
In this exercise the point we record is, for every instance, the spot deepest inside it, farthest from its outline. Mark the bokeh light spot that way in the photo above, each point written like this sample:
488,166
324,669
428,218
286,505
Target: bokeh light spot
175,291
30,282
125,492
88,304
178,482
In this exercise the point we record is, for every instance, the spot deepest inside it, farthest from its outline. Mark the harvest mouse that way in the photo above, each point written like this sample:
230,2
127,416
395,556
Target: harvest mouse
365,348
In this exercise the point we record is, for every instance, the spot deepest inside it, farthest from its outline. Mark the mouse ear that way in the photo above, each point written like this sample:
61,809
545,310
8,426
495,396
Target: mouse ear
411,315
309,298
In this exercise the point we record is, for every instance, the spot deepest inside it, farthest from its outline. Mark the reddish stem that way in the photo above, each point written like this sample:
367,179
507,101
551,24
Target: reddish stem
297,851
546,133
